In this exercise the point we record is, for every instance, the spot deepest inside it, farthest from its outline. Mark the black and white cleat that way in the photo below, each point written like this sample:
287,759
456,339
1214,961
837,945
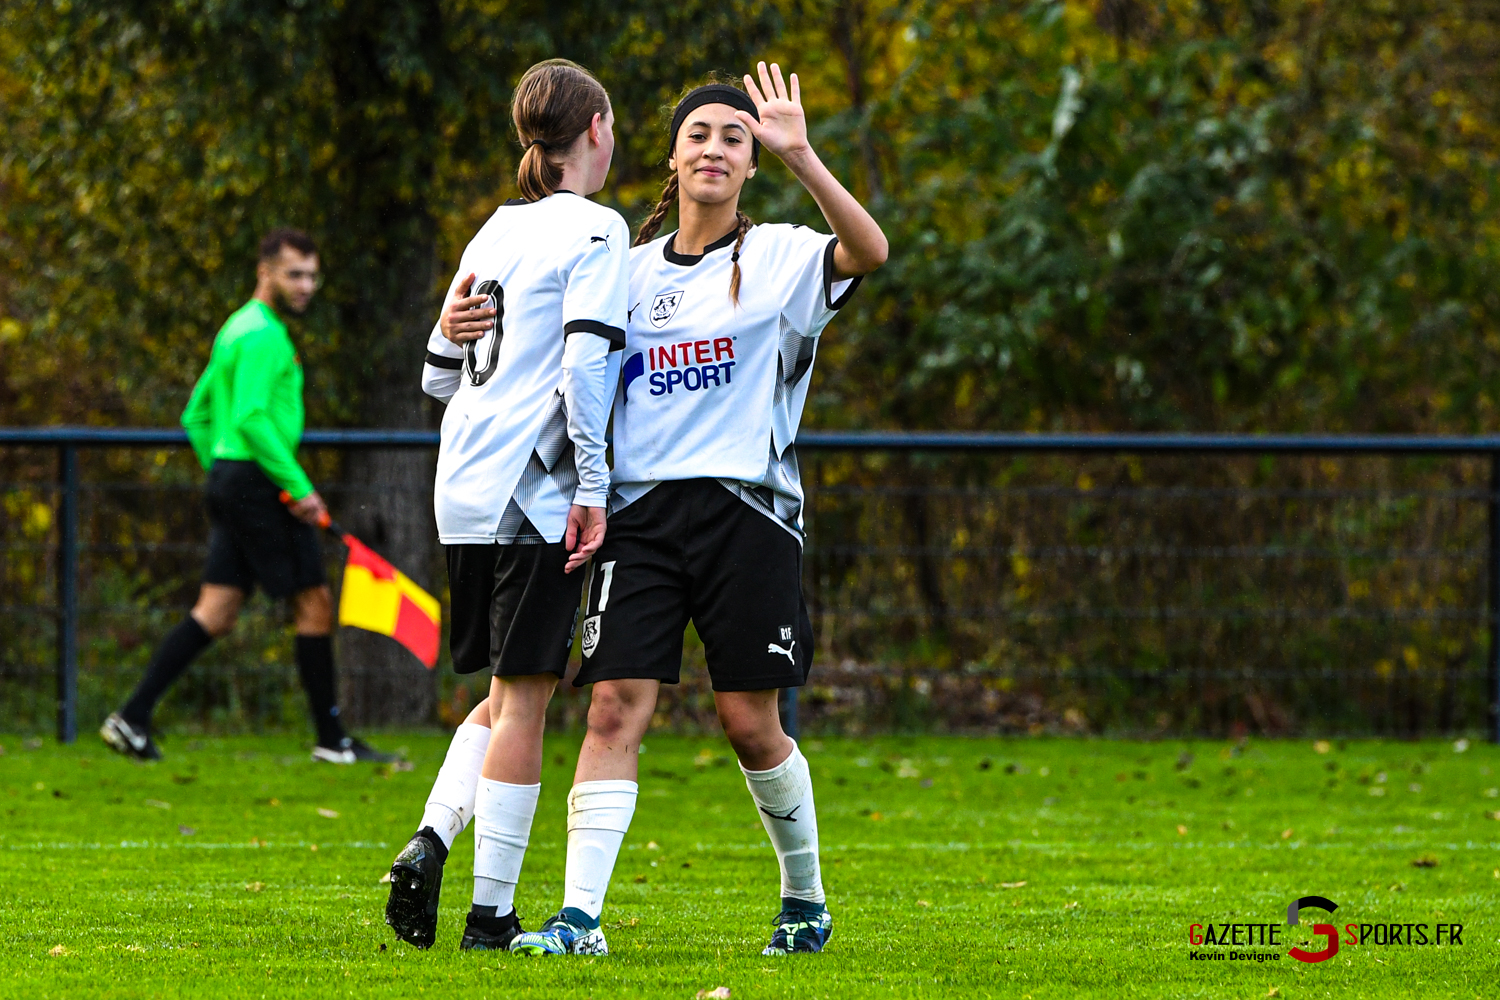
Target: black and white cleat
351,750
130,740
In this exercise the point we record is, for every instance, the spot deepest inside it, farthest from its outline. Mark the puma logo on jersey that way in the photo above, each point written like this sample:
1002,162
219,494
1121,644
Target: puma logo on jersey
787,652
600,239
789,817
664,307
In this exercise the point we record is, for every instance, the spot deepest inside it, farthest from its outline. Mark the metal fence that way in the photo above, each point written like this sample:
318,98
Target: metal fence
968,582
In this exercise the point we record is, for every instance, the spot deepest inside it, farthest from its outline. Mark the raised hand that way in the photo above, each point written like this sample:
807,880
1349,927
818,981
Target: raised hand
783,126
463,320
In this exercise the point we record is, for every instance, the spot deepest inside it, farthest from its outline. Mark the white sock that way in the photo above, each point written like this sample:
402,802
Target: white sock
502,828
450,805
598,815
784,798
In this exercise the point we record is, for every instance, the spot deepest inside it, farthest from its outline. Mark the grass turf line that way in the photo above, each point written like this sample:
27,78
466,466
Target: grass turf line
214,872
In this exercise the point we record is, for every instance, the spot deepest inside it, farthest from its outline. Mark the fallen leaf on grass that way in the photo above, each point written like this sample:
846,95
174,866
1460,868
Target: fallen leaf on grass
1071,906
1492,815
923,902
312,847
273,802
158,804
254,886
717,993
1273,992
876,816
1425,861
1286,834
639,879
328,813
59,951
186,831
1321,746
1181,830
1011,885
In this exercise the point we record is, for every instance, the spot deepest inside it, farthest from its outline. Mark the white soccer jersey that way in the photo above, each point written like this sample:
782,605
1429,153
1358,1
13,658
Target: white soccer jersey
711,390
528,403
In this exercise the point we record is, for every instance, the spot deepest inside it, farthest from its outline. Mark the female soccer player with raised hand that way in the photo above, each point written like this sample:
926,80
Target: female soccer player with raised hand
524,365
706,510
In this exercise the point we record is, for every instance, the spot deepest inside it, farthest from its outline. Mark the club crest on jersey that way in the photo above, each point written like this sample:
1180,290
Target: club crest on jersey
590,635
664,307
786,632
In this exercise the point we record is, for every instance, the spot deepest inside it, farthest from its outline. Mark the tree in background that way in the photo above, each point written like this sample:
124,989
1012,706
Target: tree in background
151,144
1118,214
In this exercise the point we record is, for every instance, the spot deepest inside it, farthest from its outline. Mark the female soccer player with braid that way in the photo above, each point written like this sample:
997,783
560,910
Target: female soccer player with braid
705,517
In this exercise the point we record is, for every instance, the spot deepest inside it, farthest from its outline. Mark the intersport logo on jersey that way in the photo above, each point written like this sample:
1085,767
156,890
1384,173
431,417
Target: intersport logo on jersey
1245,941
688,366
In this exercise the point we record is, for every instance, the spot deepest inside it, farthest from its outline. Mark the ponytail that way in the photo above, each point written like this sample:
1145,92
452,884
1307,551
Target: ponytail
555,103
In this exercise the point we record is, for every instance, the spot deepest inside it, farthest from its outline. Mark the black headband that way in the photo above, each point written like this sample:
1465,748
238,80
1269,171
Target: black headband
715,93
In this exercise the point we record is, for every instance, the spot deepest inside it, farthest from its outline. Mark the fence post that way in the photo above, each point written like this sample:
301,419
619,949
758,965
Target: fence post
67,594
1493,567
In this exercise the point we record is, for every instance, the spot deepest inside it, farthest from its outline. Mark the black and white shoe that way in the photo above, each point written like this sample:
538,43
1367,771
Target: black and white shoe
350,750
416,884
490,933
130,740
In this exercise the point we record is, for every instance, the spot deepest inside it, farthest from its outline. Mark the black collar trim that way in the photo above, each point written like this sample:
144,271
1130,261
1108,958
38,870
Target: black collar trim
688,260
523,201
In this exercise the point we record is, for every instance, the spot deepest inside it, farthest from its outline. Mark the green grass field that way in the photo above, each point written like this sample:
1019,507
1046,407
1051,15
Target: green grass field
955,867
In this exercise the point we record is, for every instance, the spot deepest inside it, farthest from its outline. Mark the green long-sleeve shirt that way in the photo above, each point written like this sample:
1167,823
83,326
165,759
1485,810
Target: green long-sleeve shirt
247,404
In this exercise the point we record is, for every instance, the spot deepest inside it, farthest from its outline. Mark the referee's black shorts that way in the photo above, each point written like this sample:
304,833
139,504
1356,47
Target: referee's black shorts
253,538
692,550
514,610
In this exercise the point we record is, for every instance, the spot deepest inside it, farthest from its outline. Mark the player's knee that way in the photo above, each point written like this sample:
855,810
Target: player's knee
314,611
612,715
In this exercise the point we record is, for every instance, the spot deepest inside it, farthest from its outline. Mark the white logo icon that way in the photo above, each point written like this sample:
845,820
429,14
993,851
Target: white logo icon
664,307
786,632
770,648
590,635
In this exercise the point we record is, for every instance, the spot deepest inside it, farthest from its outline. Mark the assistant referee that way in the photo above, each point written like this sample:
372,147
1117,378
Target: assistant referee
244,420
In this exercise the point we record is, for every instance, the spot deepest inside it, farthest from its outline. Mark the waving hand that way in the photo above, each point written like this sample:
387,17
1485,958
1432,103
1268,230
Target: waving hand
783,126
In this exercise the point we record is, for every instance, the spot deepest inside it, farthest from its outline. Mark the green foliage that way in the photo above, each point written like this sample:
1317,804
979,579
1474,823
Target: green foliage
955,868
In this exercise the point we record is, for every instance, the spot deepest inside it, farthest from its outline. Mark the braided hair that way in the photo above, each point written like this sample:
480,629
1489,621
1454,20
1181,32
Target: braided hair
652,225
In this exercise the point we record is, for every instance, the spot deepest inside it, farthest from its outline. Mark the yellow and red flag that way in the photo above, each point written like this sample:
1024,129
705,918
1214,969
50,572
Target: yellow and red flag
378,597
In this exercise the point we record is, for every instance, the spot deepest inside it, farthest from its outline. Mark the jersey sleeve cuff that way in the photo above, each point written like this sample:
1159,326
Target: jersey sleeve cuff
613,334
830,278
439,361
595,498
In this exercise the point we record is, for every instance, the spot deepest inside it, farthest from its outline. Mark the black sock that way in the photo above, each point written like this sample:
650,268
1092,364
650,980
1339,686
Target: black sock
181,646
438,847
483,912
315,665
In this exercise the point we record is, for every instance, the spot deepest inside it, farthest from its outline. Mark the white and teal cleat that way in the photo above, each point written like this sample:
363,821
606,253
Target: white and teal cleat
798,931
562,935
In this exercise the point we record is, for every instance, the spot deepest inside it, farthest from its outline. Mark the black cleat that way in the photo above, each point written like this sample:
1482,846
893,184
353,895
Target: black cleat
351,750
130,740
490,933
416,883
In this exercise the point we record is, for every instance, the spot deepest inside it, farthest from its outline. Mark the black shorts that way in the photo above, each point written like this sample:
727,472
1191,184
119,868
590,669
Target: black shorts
691,549
253,538
514,609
